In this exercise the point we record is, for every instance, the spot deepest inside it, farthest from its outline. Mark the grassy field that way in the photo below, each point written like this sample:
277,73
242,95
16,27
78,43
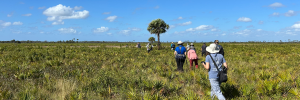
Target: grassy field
98,71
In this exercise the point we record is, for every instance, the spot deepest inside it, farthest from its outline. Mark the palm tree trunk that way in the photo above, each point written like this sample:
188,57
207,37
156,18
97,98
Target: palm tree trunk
158,41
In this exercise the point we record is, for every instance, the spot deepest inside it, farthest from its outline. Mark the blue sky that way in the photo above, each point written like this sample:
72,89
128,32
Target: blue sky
127,20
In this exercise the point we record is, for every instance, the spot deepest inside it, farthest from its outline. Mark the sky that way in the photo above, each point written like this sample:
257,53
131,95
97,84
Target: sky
127,20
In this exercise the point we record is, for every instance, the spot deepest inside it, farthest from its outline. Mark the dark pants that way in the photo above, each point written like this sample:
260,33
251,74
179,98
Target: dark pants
191,63
203,53
148,51
180,62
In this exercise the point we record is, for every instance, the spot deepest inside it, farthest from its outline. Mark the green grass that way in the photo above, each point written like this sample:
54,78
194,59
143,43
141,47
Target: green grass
67,71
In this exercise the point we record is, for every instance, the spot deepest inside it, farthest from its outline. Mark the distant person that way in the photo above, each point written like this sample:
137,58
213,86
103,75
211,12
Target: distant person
192,45
220,47
203,49
138,45
180,55
192,57
149,47
126,45
187,46
212,70
172,46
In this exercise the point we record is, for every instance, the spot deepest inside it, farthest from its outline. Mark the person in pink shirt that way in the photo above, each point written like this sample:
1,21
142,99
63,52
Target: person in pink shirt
192,57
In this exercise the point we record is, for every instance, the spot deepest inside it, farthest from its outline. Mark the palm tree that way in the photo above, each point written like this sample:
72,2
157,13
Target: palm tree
157,27
151,39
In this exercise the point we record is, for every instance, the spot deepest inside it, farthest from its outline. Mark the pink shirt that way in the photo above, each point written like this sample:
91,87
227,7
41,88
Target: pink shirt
192,54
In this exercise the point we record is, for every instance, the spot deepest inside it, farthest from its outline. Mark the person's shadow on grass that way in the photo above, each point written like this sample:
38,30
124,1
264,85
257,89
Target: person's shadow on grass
230,91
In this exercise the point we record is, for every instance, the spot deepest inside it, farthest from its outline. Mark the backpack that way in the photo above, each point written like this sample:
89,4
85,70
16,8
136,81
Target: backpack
180,56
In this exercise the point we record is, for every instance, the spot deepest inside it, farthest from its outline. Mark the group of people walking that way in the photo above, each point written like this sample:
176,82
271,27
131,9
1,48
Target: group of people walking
213,52
214,55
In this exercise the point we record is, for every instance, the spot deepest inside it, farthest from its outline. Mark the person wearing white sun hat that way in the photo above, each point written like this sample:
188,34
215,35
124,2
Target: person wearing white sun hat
213,50
180,55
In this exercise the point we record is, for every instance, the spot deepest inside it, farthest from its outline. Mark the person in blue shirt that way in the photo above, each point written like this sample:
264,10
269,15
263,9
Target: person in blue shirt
213,50
180,55
172,46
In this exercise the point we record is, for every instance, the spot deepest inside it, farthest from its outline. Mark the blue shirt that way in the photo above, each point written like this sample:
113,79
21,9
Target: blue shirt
182,49
212,71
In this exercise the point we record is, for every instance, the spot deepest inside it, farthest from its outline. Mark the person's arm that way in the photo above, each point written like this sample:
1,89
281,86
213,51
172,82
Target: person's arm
175,53
225,64
207,60
206,66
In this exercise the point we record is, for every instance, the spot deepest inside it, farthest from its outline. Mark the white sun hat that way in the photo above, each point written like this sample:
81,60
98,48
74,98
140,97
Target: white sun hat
212,48
179,42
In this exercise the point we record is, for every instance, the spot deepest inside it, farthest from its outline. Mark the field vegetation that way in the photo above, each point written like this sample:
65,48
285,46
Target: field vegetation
93,71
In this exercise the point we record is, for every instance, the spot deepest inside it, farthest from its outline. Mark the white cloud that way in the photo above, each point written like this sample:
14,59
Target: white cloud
42,32
58,23
18,23
156,7
109,33
134,29
106,13
276,5
186,23
204,27
111,18
26,14
78,8
9,15
214,29
223,34
190,29
179,18
290,13
244,19
261,22
60,12
31,7
275,14
297,29
258,29
6,24
125,32
42,22
246,30
243,32
101,29
171,27
67,30
237,27
42,7
179,32
296,26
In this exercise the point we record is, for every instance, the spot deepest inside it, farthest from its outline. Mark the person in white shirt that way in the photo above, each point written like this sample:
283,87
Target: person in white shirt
149,47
